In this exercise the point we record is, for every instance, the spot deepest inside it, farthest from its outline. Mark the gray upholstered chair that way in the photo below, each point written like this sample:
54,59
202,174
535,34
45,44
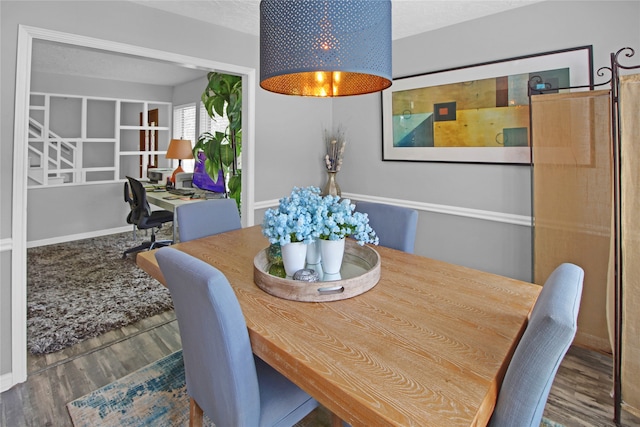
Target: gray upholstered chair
206,218
395,226
224,379
551,329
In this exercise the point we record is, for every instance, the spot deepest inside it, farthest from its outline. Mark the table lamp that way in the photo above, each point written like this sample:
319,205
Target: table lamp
179,149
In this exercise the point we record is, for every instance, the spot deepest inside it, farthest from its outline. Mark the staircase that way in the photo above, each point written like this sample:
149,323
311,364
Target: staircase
52,159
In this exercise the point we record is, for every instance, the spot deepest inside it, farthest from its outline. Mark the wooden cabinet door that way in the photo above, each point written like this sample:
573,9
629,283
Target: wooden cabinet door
149,140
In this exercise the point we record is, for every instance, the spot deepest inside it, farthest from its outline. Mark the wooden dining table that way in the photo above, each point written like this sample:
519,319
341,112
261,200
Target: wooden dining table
428,345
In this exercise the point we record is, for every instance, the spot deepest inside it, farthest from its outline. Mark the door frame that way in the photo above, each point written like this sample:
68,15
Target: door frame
26,36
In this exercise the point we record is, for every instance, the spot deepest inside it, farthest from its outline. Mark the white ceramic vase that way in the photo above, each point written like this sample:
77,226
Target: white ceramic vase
294,257
332,252
314,257
313,253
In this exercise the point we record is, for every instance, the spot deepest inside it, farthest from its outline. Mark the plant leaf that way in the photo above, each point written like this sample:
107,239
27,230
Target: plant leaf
212,170
223,98
235,188
226,154
218,105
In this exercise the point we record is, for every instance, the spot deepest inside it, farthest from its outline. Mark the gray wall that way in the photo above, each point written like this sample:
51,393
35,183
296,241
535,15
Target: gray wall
88,86
78,209
289,145
189,92
284,127
5,312
487,245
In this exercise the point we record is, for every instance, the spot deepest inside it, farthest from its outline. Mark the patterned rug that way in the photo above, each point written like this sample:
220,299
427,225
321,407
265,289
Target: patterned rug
156,396
81,289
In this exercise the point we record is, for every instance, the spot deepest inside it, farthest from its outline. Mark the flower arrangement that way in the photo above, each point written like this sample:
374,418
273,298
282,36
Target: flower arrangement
295,219
305,216
335,150
339,220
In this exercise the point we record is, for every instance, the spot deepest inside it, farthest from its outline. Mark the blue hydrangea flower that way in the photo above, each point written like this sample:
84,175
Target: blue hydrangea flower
305,216
294,220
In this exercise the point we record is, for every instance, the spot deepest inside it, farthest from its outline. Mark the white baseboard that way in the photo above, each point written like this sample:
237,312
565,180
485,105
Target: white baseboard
79,236
6,382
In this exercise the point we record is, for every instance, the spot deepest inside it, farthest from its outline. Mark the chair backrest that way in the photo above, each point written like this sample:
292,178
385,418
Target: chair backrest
395,226
129,201
140,209
219,366
551,329
201,219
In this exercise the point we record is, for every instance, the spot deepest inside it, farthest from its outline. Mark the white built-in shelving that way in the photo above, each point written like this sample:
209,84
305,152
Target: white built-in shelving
83,140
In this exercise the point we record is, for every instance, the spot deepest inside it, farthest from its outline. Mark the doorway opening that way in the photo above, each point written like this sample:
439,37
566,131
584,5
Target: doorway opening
26,37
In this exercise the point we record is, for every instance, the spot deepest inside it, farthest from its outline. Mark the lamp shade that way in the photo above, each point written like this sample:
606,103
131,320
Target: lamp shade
179,149
325,47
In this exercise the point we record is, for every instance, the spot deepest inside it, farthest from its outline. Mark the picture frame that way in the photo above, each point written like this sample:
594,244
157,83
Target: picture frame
477,113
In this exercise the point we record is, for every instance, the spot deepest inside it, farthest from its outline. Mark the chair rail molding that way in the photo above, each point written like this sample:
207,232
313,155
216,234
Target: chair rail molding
26,36
6,244
502,217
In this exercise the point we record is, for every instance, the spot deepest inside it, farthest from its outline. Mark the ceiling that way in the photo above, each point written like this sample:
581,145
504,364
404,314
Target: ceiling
58,58
409,17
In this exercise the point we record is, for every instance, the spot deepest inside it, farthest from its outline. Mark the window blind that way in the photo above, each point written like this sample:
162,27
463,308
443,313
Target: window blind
207,124
184,127
184,122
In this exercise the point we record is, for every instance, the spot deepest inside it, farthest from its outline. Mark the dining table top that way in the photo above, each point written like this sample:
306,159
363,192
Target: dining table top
428,345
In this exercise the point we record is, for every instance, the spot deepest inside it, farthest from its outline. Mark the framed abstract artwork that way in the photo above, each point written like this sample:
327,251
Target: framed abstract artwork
478,113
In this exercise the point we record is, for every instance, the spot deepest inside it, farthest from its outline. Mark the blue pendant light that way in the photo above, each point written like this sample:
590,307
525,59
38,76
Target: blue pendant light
325,47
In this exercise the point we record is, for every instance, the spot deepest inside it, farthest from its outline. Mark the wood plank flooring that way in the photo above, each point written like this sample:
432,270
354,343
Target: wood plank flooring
579,397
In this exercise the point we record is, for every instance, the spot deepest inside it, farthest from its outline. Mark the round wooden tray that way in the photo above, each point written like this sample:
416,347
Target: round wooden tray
360,272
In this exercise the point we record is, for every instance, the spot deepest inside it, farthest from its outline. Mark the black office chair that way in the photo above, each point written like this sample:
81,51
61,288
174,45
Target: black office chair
142,217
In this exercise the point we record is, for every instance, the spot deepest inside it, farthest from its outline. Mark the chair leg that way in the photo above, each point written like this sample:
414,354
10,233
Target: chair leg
158,243
148,245
195,413
139,248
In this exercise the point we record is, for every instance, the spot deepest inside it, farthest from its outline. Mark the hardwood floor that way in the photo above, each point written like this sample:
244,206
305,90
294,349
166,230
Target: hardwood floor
579,397
58,378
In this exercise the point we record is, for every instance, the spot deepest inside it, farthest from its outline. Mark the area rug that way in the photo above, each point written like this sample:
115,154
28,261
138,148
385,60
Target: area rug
152,396
548,423
82,289
156,396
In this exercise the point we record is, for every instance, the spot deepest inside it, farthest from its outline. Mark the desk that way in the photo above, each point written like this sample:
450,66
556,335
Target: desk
427,346
168,201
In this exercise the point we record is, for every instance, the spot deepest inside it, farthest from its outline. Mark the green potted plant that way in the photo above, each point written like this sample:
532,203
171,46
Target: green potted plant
223,98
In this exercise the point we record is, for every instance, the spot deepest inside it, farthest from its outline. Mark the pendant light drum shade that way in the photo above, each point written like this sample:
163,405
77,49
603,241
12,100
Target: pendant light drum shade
325,47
